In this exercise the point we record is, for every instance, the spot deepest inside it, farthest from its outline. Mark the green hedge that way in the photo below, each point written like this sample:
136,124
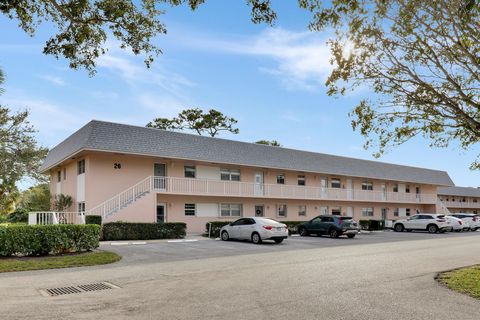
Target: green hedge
372,225
143,231
93,220
217,225
47,239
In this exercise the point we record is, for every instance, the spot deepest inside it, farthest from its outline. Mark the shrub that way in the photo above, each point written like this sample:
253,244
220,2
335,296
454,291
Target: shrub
19,215
93,220
215,228
143,231
372,225
292,226
47,239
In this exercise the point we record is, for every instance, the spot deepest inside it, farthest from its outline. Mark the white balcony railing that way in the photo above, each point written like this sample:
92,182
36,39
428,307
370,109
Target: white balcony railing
50,217
461,204
208,187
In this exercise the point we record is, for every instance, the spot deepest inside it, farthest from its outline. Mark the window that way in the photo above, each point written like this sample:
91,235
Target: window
367,212
395,187
81,206
417,190
407,211
335,183
59,176
336,212
302,211
190,209
407,188
64,173
327,219
230,174
189,171
474,200
81,166
367,185
301,180
281,179
282,210
395,212
231,210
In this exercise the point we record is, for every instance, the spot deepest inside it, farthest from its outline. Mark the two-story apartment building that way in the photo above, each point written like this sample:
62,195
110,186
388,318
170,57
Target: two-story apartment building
132,173
460,199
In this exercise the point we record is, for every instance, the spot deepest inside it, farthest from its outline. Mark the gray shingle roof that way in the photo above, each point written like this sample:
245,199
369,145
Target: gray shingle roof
459,191
114,137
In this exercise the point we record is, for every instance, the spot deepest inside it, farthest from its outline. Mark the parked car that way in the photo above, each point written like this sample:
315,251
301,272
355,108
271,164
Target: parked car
255,229
432,223
456,223
334,226
472,221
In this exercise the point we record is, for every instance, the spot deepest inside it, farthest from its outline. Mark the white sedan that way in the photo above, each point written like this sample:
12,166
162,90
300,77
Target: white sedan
255,229
456,223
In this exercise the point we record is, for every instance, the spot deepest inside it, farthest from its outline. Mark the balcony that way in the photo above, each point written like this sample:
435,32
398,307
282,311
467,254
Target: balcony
205,187
461,204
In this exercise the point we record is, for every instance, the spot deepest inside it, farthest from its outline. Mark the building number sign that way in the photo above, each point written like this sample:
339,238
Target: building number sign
117,166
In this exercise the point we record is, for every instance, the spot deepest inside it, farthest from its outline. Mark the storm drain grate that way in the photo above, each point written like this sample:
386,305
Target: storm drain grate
53,292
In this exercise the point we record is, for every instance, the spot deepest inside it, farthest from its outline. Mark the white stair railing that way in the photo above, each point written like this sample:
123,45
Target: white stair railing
443,209
122,199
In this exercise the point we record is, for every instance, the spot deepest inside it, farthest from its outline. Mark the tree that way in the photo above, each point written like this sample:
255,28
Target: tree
421,59
61,202
273,143
211,122
36,198
20,156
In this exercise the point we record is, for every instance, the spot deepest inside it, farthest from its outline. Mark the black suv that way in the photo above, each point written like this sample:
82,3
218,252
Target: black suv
334,226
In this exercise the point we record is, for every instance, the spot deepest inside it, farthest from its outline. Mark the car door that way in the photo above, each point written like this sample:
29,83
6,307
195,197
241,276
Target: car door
246,229
325,224
315,225
412,222
235,228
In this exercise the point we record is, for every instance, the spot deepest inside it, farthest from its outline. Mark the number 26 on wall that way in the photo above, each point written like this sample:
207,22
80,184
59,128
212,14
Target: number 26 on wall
117,166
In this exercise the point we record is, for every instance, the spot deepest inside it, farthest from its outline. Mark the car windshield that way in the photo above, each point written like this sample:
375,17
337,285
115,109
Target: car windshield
264,220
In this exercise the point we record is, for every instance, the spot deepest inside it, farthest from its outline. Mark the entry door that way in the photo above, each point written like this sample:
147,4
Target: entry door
384,213
349,189
159,172
259,211
258,184
161,212
324,186
384,191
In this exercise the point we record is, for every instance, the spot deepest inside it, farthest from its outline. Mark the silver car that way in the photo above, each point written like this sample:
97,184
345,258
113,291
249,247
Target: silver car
255,229
456,223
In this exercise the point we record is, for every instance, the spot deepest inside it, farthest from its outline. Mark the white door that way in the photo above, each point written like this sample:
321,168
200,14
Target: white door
349,211
323,186
258,184
323,210
384,191
349,189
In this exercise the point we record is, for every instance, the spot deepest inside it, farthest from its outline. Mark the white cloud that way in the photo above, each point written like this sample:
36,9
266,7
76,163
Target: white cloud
301,58
56,80
163,106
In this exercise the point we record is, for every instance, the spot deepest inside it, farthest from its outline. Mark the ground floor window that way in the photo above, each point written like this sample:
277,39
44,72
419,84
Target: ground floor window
395,212
302,211
230,210
81,206
367,212
336,211
190,209
407,212
282,210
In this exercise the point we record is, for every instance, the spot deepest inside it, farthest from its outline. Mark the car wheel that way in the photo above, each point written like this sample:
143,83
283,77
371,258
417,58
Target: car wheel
333,233
225,236
458,230
351,236
432,228
399,227
278,240
256,238
303,232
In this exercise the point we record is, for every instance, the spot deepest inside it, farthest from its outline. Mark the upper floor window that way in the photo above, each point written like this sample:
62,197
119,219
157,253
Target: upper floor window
407,188
230,174
335,183
475,200
281,179
282,210
301,180
81,166
81,206
417,190
231,210
59,176
64,173
190,171
367,185
395,187
367,212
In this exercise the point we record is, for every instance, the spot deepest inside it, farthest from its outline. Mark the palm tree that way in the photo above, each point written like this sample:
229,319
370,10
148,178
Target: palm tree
2,79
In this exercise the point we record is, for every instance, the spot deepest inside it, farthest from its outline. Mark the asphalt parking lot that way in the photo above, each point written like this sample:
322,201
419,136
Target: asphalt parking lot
201,248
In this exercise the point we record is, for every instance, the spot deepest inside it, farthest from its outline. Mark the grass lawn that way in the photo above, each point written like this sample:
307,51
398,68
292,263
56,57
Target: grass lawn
55,262
465,280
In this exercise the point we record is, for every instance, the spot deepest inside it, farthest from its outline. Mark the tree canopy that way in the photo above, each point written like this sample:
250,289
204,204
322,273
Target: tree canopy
211,122
273,143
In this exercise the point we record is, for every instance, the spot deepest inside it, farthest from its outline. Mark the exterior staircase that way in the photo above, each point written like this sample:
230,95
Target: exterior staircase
441,208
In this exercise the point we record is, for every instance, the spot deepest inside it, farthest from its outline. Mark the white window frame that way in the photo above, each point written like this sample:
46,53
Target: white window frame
335,181
284,206
227,209
190,169
368,212
281,178
230,174
189,208
302,210
301,180
59,176
81,206
367,185
81,167
395,187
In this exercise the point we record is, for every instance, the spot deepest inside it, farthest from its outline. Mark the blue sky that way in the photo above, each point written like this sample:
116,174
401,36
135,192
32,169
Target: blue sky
270,79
